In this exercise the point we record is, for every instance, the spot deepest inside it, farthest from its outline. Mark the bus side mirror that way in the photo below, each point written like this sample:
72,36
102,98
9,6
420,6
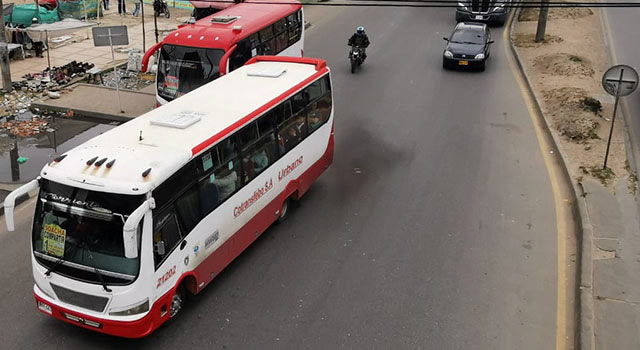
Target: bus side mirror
10,201
160,248
130,231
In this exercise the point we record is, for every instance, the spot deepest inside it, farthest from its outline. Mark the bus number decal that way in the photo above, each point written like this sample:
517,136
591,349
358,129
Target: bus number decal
257,194
167,276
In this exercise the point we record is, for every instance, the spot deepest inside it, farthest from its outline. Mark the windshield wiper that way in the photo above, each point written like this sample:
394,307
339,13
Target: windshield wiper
104,284
60,261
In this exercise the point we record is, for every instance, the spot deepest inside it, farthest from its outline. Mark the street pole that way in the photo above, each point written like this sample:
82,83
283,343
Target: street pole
115,71
144,34
613,119
542,20
4,54
155,24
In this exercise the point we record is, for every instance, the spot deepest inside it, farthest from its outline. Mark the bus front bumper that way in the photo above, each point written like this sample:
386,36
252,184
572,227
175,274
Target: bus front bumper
126,329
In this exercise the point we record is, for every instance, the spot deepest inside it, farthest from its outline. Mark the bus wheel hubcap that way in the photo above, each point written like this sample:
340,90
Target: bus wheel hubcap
176,304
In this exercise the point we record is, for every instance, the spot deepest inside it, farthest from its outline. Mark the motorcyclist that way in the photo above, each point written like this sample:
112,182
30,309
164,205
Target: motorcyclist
360,39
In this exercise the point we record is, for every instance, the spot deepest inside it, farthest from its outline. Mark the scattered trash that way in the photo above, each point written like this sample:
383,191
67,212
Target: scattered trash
54,94
128,80
22,160
24,128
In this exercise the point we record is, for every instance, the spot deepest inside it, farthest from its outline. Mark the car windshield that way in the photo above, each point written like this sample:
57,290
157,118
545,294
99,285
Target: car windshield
182,69
464,36
76,231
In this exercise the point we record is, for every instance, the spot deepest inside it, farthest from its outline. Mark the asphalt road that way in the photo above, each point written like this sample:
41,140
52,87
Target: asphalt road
623,32
435,227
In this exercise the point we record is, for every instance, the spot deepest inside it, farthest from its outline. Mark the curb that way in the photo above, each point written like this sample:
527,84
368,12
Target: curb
584,317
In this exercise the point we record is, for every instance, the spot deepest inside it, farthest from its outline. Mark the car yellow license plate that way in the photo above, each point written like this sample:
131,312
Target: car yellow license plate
463,63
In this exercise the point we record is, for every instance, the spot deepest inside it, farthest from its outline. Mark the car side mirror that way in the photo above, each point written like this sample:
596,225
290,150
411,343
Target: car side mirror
160,248
445,39
490,42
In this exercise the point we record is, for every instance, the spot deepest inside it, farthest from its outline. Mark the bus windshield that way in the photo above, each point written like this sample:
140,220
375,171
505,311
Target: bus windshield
182,69
77,231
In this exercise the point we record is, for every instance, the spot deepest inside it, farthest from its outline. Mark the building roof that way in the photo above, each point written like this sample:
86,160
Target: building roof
252,16
215,110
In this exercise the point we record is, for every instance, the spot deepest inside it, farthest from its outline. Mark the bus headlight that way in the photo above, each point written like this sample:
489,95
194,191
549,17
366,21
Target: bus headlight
134,309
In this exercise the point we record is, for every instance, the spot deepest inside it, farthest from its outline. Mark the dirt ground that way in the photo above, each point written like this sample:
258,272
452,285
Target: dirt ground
566,71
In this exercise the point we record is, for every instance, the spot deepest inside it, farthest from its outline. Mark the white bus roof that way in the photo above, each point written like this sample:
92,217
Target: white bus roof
166,138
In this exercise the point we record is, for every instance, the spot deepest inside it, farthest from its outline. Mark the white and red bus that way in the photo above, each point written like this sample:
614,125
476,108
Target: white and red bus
198,53
129,222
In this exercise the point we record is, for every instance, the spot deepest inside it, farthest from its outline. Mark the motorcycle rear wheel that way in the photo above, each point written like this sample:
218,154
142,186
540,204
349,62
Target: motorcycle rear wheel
167,14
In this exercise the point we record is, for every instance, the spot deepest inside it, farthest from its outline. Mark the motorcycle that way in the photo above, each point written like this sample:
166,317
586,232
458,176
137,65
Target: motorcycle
160,7
356,57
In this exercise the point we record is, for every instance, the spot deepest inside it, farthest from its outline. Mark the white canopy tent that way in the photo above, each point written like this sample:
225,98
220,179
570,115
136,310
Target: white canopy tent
40,32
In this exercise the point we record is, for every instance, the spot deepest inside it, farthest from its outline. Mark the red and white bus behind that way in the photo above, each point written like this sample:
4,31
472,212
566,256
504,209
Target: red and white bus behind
131,221
195,54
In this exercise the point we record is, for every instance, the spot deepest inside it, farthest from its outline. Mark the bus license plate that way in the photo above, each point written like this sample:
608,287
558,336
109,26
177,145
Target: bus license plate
479,17
44,307
463,63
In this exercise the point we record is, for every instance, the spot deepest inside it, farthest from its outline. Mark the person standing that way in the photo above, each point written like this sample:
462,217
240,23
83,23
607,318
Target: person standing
105,3
122,7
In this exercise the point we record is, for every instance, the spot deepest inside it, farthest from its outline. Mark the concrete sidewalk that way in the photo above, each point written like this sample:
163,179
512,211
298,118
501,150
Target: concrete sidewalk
610,282
101,102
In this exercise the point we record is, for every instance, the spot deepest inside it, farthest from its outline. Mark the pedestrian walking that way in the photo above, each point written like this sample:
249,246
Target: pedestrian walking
136,11
122,7
105,3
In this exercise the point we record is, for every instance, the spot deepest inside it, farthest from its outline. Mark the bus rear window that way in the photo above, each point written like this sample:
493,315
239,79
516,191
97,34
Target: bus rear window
183,69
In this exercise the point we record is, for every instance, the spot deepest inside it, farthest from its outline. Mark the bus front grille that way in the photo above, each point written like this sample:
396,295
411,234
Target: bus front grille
85,301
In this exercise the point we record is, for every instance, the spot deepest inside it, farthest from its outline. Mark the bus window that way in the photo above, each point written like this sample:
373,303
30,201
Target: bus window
319,112
208,193
258,157
188,208
292,132
267,122
183,69
168,189
227,179
294,27
248,135
314,91
165,230
299,101
240,55
280,32
267,41
228,149
254,39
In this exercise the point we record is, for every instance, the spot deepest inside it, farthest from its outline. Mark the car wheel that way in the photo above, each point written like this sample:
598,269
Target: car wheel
445,65
483,65
459,17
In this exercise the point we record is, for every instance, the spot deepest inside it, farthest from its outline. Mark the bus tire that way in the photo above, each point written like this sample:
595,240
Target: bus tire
284,211
178,300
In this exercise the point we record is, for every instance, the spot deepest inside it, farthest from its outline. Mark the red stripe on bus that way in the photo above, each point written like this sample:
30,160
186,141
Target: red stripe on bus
318,62
213,139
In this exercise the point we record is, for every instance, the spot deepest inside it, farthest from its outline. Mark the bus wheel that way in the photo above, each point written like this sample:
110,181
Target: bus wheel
284,211
177,301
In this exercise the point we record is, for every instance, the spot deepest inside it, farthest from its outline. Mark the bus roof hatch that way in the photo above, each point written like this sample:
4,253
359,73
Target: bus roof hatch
181,120
266,72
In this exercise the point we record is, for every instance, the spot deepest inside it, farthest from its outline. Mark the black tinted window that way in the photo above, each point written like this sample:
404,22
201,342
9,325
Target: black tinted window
165,230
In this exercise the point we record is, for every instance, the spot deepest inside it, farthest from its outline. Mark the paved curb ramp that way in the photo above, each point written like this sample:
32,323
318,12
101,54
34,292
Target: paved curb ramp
100,102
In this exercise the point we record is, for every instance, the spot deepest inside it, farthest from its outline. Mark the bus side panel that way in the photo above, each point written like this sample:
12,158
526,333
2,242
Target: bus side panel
235,245
249,232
